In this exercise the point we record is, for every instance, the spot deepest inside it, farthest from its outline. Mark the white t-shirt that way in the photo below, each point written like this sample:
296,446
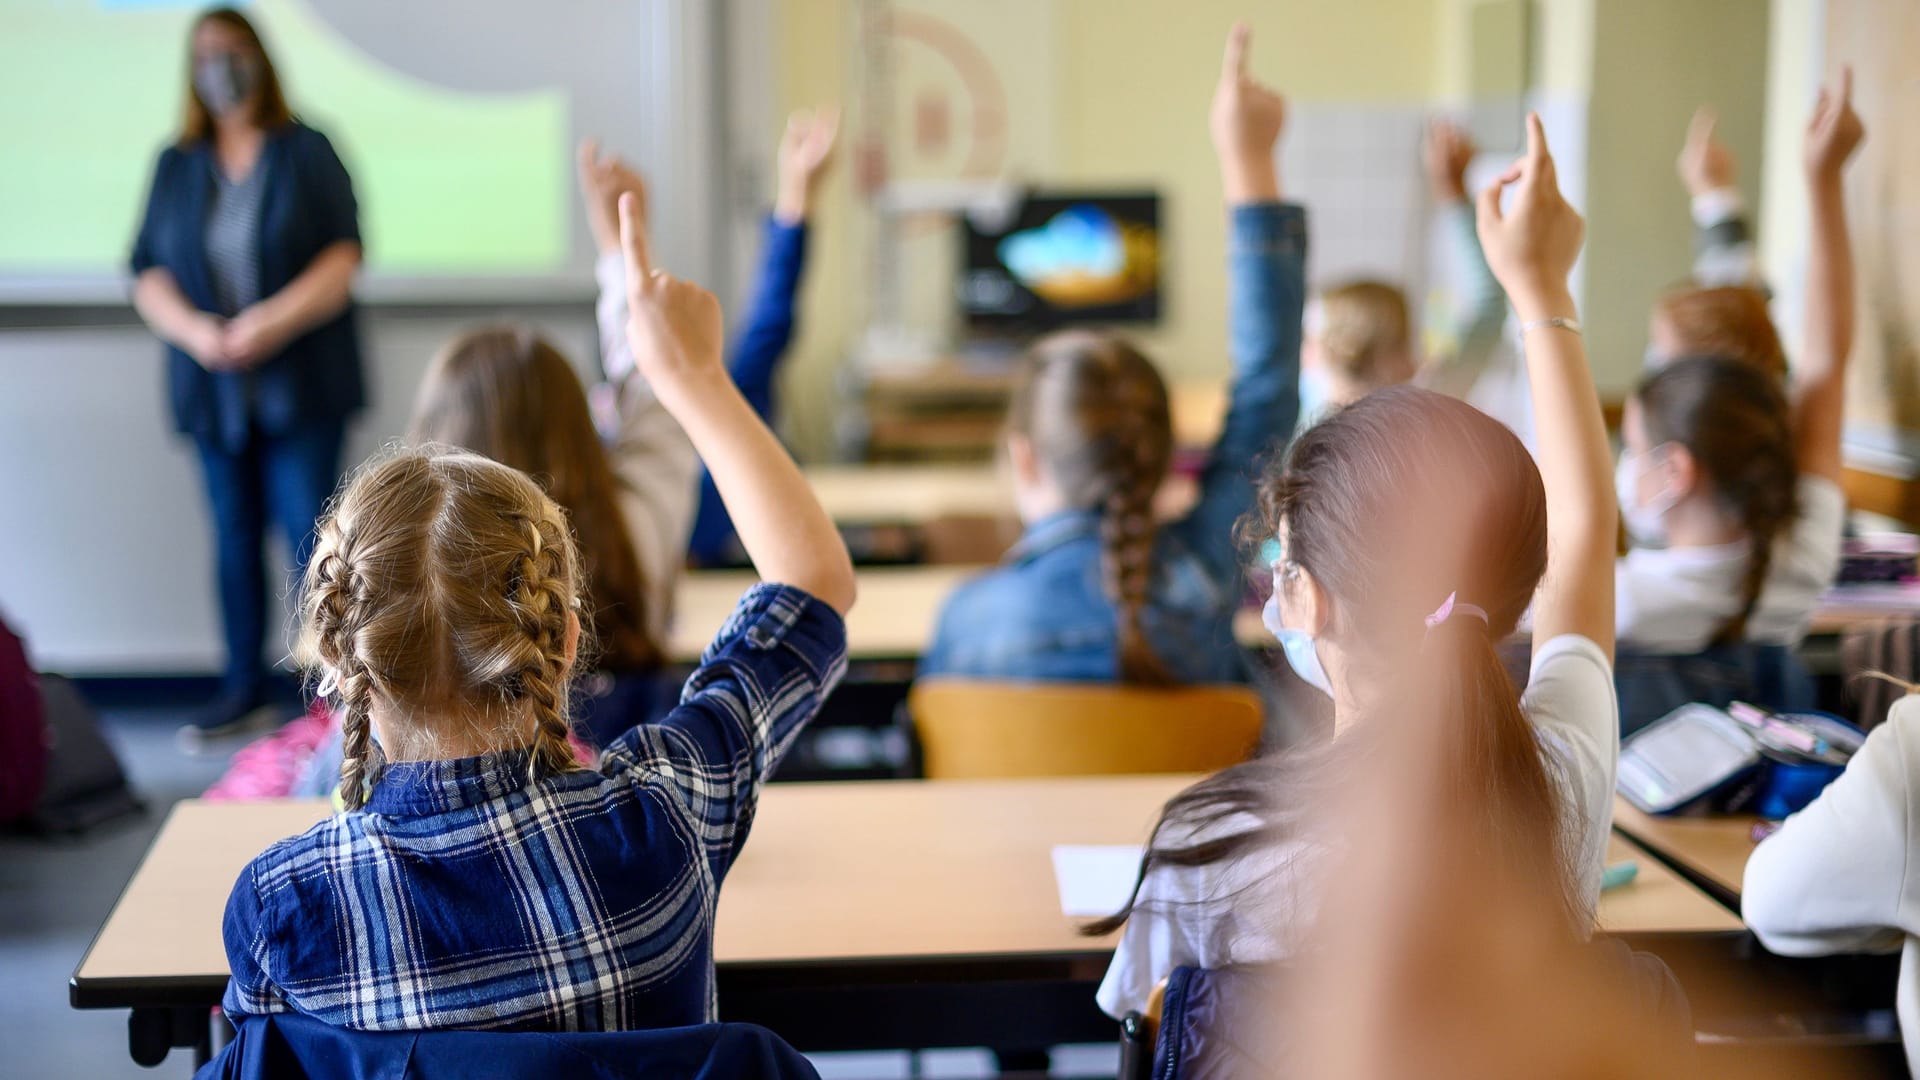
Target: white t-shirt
1674,600
1243,911
1840,876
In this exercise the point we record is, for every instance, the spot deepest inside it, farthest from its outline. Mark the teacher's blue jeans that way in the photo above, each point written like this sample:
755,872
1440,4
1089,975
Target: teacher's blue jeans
289,477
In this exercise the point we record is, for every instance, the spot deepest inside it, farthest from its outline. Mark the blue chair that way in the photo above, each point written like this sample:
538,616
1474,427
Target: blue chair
286,1046
1652,686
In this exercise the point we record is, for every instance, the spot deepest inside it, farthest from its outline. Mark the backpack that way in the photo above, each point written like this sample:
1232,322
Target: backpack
25,742
58,773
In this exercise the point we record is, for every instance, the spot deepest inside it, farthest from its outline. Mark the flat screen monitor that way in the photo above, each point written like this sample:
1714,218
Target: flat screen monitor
1065,258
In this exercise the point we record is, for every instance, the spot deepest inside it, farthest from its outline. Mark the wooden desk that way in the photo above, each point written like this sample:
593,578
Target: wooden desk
911,869
1659,901
1712,851
861,915
893,619
910,494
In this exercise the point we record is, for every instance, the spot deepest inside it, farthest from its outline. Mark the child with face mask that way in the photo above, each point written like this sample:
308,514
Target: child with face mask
1729,487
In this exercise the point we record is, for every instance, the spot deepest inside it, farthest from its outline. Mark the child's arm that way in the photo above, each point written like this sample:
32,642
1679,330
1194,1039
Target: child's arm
1819,379
650,454
674,329
1446,152
806,150
785,646
1834,877
1723,250
1266,284
1532,247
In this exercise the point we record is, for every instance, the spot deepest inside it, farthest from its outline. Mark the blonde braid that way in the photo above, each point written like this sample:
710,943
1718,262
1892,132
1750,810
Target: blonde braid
335,613
540,600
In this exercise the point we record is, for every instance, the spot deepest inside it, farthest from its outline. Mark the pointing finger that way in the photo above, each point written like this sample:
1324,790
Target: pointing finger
1233,63
633,241
1700,128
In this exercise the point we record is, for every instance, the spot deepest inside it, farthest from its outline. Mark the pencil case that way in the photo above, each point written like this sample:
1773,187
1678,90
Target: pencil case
1698,755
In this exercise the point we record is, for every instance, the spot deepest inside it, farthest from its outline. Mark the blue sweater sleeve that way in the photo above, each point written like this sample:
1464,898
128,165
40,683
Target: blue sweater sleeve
768,329
756,353
1267,289
764,676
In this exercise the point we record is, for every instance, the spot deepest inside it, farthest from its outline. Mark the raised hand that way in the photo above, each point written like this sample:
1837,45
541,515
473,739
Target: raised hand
1531,246
1246,120
603,179
1446,150
673,326
806,149
1705,164
1835,131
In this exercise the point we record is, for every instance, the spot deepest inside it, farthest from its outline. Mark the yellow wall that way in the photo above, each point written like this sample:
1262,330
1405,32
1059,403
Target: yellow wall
1654,62
1128,106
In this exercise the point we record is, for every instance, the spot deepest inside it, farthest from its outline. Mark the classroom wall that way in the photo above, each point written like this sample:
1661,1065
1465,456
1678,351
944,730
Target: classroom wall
1654,61
1121,93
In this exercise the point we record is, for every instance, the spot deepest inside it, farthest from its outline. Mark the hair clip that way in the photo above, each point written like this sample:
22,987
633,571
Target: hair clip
329,682
1448,608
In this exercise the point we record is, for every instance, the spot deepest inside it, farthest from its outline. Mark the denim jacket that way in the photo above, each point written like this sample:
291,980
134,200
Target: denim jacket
1042,614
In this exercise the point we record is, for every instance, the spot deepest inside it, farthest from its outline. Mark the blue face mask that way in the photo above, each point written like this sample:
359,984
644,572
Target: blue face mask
1302,657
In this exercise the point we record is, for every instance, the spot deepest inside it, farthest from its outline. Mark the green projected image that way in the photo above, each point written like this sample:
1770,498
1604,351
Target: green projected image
450,182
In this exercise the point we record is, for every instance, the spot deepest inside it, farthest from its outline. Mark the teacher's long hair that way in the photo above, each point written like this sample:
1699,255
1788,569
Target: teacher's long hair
270,106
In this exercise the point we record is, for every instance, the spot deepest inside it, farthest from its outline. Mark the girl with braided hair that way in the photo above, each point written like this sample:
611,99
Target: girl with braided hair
482,876
1095,589
1730,488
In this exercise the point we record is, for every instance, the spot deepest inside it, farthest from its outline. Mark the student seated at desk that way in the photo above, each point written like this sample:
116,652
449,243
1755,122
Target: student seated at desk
1413,530
1730,488
1838,877
1093,590
482,877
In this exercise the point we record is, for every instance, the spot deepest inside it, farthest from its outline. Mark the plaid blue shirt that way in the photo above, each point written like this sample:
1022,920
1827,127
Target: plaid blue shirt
465,896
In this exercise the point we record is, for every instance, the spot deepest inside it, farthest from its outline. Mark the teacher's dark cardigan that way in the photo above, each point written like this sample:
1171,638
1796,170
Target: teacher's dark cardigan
308,205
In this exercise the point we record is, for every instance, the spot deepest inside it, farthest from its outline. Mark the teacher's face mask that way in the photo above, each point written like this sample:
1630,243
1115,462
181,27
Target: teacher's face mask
225,80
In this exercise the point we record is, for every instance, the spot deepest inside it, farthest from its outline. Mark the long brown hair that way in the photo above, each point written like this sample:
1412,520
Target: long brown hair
1728,320
505,392
1735,421
1390,505
270,106
1095,410
440,588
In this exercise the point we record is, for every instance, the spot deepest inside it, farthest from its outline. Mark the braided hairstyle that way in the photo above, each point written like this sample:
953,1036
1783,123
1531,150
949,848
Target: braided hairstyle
440,593
1095,410
1732,416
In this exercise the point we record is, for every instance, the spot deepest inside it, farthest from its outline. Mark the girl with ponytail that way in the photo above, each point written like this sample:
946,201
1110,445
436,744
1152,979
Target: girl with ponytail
1412,532
482,876
1730,486
1095,589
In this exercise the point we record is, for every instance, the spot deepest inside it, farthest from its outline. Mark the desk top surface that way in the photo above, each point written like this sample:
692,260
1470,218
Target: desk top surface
911,494
1714,847
893,619
845,871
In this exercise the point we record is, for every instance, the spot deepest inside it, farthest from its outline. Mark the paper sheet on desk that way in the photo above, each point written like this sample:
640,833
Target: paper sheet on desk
1095,879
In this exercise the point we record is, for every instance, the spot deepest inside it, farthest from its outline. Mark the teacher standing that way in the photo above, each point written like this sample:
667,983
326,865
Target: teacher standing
244,267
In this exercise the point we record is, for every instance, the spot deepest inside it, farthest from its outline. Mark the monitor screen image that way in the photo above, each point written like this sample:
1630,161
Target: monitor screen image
1065,258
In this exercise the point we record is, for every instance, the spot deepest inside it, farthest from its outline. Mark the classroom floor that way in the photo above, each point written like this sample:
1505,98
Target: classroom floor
55,893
